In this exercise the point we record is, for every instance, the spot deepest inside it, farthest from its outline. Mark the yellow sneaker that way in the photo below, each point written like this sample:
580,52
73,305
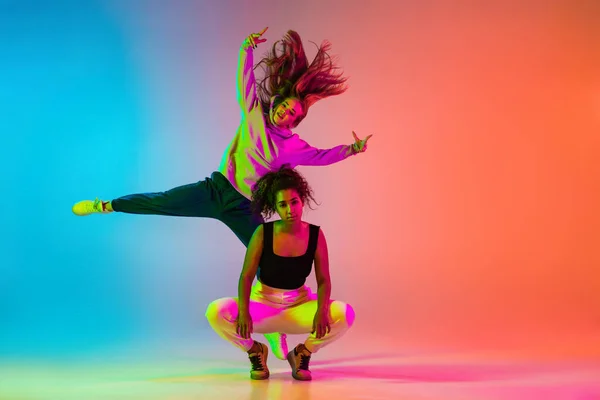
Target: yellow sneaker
87,207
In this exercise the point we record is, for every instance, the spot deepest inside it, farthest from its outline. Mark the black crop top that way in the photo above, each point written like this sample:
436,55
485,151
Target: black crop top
285,272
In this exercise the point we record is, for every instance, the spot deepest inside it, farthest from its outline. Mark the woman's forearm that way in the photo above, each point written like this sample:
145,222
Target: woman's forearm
244,286
246,81
323,294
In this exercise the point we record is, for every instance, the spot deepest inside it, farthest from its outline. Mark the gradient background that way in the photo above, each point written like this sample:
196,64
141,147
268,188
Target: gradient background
471,222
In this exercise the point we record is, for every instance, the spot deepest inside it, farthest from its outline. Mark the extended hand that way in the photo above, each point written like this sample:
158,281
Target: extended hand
255,38
321,324
360,146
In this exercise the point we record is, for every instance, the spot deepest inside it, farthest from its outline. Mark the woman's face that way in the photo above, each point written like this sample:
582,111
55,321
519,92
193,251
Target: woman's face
286,113
288,205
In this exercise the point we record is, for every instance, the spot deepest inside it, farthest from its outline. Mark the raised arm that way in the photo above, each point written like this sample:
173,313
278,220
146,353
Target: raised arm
305,154
246,82
308,155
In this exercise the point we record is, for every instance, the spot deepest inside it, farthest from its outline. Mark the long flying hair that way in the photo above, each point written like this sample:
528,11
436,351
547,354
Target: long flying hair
264,191
287,73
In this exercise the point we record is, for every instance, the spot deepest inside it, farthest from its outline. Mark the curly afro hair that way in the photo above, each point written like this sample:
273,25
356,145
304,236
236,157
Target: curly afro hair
264,192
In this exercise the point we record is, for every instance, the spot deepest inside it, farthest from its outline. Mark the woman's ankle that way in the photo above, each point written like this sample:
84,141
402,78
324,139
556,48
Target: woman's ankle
255,348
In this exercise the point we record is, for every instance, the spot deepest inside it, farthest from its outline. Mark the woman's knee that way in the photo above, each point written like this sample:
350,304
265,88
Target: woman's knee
225,308
342,312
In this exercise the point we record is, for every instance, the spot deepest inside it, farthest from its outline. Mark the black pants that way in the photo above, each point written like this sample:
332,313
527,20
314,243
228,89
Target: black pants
213,197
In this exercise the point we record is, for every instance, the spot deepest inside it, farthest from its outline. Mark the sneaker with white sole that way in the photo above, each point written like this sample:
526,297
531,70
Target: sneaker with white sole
278,343
87,207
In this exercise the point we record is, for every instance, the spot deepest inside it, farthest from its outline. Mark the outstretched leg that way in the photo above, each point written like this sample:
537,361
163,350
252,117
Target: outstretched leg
213,197
200,199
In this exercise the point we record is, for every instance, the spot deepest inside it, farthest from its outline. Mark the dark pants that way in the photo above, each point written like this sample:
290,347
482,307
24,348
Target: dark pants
213,197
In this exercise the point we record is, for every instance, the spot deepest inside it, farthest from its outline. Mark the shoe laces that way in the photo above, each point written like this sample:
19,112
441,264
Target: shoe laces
304,360
97,205
257,364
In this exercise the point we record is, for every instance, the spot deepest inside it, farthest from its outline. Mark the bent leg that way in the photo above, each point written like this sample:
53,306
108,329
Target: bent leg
242,222
236,212
222,314
300,319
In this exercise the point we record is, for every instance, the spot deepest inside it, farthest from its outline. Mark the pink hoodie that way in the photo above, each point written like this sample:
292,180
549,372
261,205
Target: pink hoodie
258,147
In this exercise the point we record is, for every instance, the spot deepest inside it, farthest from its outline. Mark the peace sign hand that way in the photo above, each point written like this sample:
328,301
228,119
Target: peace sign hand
255,38
359,146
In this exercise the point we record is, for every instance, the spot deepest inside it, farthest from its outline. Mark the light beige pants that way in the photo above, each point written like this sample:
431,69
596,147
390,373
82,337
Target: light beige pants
279,310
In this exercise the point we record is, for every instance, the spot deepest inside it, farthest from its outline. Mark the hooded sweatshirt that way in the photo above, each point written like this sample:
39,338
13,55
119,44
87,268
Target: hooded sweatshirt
259,147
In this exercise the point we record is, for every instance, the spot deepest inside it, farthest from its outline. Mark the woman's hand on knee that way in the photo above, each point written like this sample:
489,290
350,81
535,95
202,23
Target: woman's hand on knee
244,326
321,324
